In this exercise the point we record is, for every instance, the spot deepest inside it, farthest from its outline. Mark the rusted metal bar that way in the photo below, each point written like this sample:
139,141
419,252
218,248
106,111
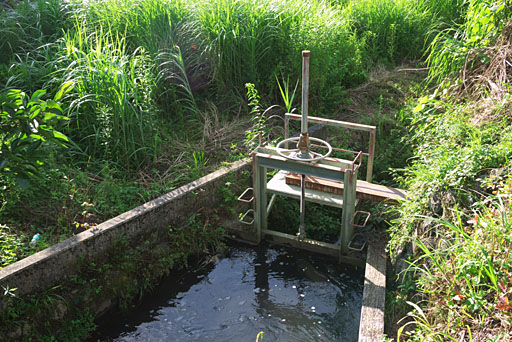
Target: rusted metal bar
341,150
357,166
365,221
303,143
369,168
336,123
305,91
242,219
242,199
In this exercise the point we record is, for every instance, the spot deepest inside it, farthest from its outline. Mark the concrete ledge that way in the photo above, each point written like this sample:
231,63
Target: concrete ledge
48,267
371,326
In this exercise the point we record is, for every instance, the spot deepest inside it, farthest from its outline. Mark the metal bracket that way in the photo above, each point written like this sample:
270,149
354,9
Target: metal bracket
350,244
244,215
365,221
357,249
358,156
241,199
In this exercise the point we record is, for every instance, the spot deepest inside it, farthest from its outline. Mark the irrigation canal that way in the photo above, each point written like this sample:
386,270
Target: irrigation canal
288,294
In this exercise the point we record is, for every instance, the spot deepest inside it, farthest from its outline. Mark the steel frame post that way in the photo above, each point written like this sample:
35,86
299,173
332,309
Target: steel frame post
349,207
260,198
371,155
302,226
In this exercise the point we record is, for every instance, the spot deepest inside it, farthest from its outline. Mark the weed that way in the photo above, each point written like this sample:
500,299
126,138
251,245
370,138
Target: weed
199,165
112,114
453,48
464,277
285,93
392,30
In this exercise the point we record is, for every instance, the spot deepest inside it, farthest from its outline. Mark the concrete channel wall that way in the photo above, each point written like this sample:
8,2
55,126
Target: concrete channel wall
152,220
50,266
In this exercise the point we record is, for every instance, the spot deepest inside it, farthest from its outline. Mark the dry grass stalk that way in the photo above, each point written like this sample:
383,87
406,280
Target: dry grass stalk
487,71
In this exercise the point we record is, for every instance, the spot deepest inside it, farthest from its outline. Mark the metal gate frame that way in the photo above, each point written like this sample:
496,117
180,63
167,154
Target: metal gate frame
330,168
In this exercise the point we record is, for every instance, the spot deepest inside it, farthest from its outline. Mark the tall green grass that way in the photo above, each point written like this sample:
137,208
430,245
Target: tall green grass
30,25
147,69
393,30
113,112
255,42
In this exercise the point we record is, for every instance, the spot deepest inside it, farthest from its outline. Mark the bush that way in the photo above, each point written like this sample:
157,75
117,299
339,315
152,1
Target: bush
26,122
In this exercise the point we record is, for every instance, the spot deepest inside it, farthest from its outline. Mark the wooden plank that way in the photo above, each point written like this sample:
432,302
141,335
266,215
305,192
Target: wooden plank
371,325
364,190
379,193
315,183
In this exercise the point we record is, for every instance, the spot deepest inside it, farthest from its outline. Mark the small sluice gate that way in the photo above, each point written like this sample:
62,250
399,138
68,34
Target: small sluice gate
311,176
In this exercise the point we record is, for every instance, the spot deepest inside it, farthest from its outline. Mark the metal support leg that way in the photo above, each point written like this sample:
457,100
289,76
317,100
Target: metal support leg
260,196
271,203
349,201
302,227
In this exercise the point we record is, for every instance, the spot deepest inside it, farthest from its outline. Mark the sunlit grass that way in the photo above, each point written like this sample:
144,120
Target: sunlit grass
464,279
112,110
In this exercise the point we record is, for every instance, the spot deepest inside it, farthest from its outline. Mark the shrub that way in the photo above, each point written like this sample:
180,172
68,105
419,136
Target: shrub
26,122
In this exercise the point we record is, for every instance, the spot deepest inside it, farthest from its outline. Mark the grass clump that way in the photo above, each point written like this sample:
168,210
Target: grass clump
113,111
392,30
31,25
464,278
460,52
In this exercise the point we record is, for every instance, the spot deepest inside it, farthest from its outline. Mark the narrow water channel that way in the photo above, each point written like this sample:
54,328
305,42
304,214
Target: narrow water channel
288,294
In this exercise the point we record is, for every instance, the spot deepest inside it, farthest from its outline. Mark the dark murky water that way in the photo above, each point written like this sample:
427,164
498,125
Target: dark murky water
288,294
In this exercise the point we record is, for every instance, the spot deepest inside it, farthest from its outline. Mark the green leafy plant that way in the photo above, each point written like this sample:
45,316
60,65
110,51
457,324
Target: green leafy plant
257,118
464,279
26,122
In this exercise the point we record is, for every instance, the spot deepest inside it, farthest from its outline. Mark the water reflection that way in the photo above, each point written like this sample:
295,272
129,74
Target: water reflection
288,294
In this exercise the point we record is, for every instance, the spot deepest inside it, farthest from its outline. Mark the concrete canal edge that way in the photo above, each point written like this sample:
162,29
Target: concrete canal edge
371,325
51,265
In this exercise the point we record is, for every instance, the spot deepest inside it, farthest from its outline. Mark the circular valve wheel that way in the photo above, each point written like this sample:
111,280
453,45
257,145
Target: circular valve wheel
295,154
